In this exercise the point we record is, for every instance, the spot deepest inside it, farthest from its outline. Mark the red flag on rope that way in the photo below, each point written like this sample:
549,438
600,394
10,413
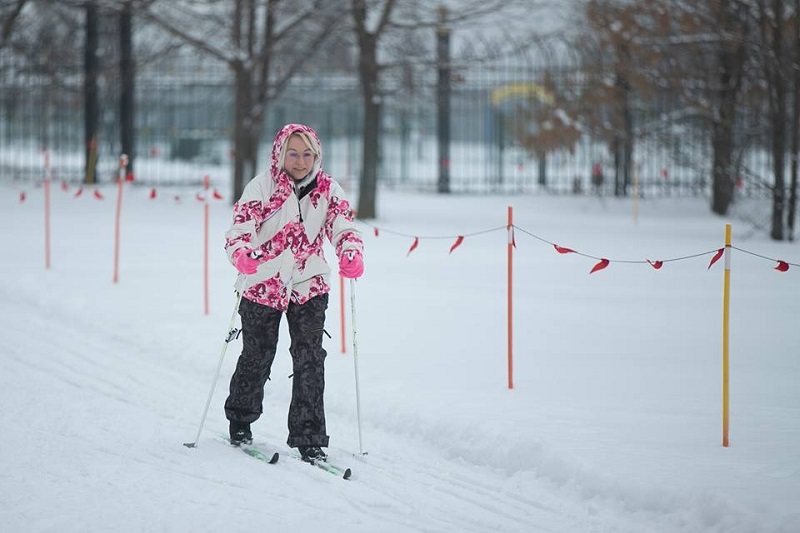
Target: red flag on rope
562,250
716,258
64,186
599,266
456,244
783,266
78,192
413,246
656,264
153,194
217,195
376,232
22,197
98,194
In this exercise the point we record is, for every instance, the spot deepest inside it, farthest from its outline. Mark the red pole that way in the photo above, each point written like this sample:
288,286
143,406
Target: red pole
205,247
123,164
46,209
510,294
341,313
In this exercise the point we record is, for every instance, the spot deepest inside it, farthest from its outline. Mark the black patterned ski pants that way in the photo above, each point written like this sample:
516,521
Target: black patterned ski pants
260,325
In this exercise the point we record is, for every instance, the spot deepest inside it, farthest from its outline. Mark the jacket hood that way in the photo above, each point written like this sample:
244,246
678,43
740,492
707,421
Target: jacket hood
279,149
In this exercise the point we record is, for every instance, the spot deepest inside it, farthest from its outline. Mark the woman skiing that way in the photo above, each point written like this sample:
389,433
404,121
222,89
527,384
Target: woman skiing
276,243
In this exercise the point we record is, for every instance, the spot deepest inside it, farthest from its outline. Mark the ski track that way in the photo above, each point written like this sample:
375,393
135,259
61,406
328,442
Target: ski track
88,365
408,485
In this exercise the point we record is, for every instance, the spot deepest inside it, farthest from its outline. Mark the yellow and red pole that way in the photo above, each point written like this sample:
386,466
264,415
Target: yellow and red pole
726,304
509,297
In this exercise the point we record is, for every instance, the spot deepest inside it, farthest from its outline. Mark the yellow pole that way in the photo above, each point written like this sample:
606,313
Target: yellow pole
726,304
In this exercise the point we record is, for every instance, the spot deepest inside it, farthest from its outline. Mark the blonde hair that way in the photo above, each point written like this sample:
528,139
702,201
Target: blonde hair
309,142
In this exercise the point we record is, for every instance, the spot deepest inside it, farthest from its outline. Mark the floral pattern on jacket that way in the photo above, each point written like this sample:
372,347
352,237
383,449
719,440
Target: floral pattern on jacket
290,232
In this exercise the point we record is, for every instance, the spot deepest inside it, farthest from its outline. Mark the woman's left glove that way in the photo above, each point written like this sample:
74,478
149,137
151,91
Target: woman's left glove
351,264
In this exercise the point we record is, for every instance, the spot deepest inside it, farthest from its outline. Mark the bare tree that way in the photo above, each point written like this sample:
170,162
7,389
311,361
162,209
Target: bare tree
374,21
10,13
794,126
695,53
622,57
265,43
776,52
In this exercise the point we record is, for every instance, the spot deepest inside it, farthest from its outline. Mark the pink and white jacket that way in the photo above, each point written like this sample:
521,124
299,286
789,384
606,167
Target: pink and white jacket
290,231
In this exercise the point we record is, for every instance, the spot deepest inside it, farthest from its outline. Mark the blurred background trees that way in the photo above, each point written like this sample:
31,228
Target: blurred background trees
659,97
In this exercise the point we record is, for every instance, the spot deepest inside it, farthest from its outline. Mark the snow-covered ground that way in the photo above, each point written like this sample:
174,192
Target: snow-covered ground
613,424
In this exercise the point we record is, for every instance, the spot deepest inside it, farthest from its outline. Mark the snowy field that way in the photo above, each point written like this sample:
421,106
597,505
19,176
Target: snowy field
613,424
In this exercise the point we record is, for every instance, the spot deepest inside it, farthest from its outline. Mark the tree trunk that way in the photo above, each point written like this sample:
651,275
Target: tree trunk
778,111
90,104
622,144
723,137
243,163
722,145
368,70
443,101
794,129
127,89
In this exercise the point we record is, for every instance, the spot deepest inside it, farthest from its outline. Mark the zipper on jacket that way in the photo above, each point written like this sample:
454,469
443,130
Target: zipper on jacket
301,192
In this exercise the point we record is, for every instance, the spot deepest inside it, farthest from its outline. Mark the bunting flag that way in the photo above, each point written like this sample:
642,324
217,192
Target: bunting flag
98,194
376,232
217,195
22,197
64,186
456,244
78,192
716,257
782,266
153,193
200,197
600,266
656,264
562,250
413,246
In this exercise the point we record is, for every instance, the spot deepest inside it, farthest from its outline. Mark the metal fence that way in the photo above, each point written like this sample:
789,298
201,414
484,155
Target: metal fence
184,109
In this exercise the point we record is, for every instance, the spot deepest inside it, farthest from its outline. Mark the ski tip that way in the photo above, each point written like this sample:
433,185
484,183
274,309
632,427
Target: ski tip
274,458
190,444
347,474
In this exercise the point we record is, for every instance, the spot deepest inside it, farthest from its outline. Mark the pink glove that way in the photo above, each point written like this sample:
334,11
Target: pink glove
351,265
243,261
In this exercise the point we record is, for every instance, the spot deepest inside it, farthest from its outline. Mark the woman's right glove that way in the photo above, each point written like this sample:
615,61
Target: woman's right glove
244,261
351,265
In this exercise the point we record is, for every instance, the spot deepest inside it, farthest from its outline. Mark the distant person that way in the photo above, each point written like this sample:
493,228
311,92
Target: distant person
597,178
275,242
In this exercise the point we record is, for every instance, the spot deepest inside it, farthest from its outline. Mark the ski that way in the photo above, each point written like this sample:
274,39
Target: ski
325,466
255,452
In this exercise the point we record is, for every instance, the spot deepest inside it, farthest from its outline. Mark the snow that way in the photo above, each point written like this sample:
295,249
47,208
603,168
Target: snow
613,424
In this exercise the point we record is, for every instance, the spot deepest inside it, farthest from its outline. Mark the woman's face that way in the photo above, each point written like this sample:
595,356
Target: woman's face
299,158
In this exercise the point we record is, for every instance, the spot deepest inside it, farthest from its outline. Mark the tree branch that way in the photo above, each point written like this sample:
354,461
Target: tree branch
8,24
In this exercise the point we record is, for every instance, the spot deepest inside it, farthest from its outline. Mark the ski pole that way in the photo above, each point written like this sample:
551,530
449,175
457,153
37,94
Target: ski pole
232,334
355,364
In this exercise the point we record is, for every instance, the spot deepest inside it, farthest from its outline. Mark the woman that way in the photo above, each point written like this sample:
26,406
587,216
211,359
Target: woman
276,243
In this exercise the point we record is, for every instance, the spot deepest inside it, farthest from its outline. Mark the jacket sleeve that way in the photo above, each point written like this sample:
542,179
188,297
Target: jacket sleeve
247,218
340,228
